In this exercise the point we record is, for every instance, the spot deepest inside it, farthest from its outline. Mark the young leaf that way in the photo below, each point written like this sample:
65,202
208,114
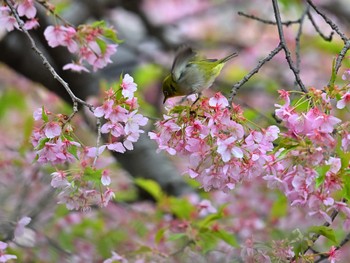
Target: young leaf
323,231
227,237
150,187
181,207
102,45
321,170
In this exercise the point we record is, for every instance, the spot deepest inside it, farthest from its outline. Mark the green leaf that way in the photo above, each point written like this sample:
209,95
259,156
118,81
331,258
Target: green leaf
150,187
301,105
102,45
333,76
92,175
41,143
10,99
323,231
177,236
346,187
142,249
110,34
208,220
182,208
44,116
321,170
101,23
159,235
299,247
207,240
227,237
28,128
280,207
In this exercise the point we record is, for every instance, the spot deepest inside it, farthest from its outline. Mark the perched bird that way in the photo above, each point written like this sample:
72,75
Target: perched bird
191,74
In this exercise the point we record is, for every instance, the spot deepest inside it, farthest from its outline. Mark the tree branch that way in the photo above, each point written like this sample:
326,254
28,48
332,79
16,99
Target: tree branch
255,70
329,21
268,22
284,46
46,63
329,38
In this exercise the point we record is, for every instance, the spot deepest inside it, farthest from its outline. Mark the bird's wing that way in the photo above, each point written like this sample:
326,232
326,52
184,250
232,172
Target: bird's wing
182,58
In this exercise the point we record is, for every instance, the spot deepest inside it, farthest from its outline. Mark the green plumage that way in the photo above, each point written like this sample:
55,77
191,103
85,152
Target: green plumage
190,74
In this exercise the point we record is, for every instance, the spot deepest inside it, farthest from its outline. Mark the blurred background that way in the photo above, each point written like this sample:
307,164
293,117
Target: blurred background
151,31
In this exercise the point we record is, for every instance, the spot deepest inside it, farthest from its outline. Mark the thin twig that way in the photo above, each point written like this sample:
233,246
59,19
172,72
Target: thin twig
98,124
46,63
316,236
297,39
284,46
269,22
335,28
341,56
318,30
328,21
254,71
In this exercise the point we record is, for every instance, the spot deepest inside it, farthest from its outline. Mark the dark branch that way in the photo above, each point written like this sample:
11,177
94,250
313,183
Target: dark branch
284,46
329,21
269,22
254,71
329,38
46,63
297,39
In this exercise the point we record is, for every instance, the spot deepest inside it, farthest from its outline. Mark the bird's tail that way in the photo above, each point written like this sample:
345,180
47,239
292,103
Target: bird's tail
229,57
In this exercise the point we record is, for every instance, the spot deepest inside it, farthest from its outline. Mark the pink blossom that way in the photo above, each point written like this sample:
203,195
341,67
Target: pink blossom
103,59
105,179
52,129
115,258
227,148
116,129
37,114
327,123
105,109
68,41
107,196
118,114
334,255
59,180
75,67
26,8
6,19
344,101
346,74
55,35
206,207
335,164
134,121
93,151
218,101
117,147
128,86
30,24
3,256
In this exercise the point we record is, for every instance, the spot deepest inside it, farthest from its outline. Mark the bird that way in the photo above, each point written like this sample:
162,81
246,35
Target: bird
191,74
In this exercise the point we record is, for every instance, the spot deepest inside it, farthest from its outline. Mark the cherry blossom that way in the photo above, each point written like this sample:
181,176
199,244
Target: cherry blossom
3,256
129,86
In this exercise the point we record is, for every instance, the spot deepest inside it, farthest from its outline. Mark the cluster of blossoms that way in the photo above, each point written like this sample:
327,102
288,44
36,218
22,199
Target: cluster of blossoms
54,144
311,164
4,257
24,9
221,148
87,42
